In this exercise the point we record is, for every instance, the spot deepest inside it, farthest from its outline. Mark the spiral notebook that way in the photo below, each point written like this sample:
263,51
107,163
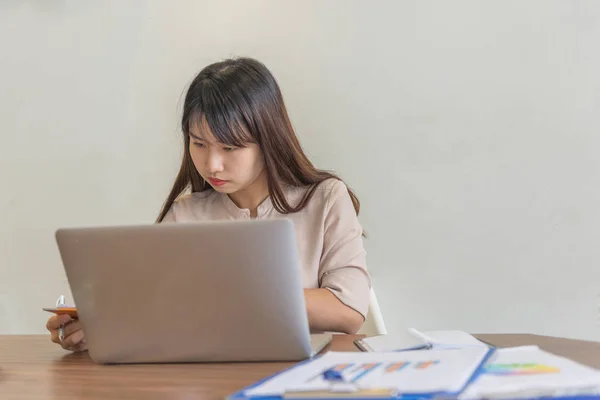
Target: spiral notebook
412,339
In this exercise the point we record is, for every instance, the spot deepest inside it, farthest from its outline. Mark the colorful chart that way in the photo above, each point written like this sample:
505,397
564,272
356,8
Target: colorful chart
363,369
396,367
426,364
520,369
354,372
342,367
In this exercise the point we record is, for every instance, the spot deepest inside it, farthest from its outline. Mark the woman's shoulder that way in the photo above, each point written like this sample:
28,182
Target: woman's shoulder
325,193
330,190
332,185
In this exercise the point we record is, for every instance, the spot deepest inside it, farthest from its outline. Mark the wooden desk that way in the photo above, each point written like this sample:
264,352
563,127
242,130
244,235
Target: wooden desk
31,367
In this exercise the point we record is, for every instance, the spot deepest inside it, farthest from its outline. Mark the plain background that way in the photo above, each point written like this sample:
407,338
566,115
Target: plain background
470,131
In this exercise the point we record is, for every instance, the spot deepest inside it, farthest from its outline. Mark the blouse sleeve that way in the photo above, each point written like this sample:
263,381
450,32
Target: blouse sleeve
343,267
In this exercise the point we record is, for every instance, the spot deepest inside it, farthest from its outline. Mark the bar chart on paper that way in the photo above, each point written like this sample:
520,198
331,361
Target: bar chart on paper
418,372
384,374
512,372
520,369
356,372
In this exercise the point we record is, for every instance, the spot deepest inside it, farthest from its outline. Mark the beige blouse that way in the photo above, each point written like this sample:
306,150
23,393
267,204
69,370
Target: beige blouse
328,234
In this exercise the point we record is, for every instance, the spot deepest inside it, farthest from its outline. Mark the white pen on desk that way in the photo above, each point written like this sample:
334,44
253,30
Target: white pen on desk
334,384
61,329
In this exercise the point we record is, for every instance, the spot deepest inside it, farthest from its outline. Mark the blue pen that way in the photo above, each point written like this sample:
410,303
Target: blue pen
341,386
333,376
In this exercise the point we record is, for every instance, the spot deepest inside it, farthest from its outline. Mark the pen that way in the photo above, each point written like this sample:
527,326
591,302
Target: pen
339,387
61,330
333,376
338,383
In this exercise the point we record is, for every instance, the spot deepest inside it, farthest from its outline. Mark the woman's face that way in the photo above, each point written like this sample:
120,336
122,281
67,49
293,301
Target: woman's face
227,169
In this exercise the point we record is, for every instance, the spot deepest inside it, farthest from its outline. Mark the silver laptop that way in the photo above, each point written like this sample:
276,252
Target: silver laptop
194,292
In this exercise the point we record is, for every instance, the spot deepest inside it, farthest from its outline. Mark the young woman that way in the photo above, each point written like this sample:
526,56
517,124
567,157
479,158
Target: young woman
242,160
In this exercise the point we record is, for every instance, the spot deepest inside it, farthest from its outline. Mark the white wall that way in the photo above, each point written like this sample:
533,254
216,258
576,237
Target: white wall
469,130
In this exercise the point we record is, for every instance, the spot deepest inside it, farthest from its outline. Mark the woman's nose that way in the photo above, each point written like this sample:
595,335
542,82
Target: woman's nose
214,162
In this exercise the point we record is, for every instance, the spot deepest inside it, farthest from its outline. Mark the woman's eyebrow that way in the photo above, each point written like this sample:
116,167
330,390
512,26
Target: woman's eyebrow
195,137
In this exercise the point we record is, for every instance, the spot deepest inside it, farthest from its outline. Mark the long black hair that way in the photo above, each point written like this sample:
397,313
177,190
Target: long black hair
241,102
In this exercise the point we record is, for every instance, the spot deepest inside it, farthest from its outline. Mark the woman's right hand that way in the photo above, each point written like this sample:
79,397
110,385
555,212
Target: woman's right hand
73,334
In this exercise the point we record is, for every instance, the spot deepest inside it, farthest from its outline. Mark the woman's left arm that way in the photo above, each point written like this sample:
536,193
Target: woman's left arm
326,313
341,302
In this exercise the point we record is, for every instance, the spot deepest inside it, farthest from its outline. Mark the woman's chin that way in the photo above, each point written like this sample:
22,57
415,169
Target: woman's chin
225,189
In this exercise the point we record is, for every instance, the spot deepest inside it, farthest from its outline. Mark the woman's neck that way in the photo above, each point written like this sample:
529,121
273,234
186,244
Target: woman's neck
252,196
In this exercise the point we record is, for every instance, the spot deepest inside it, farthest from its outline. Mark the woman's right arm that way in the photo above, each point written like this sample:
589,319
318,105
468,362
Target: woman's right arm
74,339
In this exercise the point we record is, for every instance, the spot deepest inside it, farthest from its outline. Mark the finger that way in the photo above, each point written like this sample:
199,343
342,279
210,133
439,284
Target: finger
64,319
56,321
78,348
54,336
72,327
52,323
73,339
81,346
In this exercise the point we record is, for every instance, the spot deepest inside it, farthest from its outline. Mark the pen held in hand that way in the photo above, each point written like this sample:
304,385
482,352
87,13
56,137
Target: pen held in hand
61,330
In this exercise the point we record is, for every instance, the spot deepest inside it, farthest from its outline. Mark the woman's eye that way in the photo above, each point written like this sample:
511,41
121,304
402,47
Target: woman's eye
198,144
228,148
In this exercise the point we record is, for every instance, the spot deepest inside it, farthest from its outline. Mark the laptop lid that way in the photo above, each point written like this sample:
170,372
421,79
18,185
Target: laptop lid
203,291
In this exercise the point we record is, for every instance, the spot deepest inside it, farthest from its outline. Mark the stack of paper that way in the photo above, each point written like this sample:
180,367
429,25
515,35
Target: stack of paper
412,339
412,372
529,372
469,371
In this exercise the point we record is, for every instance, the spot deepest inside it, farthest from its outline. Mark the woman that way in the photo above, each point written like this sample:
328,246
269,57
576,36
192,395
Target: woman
243,160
